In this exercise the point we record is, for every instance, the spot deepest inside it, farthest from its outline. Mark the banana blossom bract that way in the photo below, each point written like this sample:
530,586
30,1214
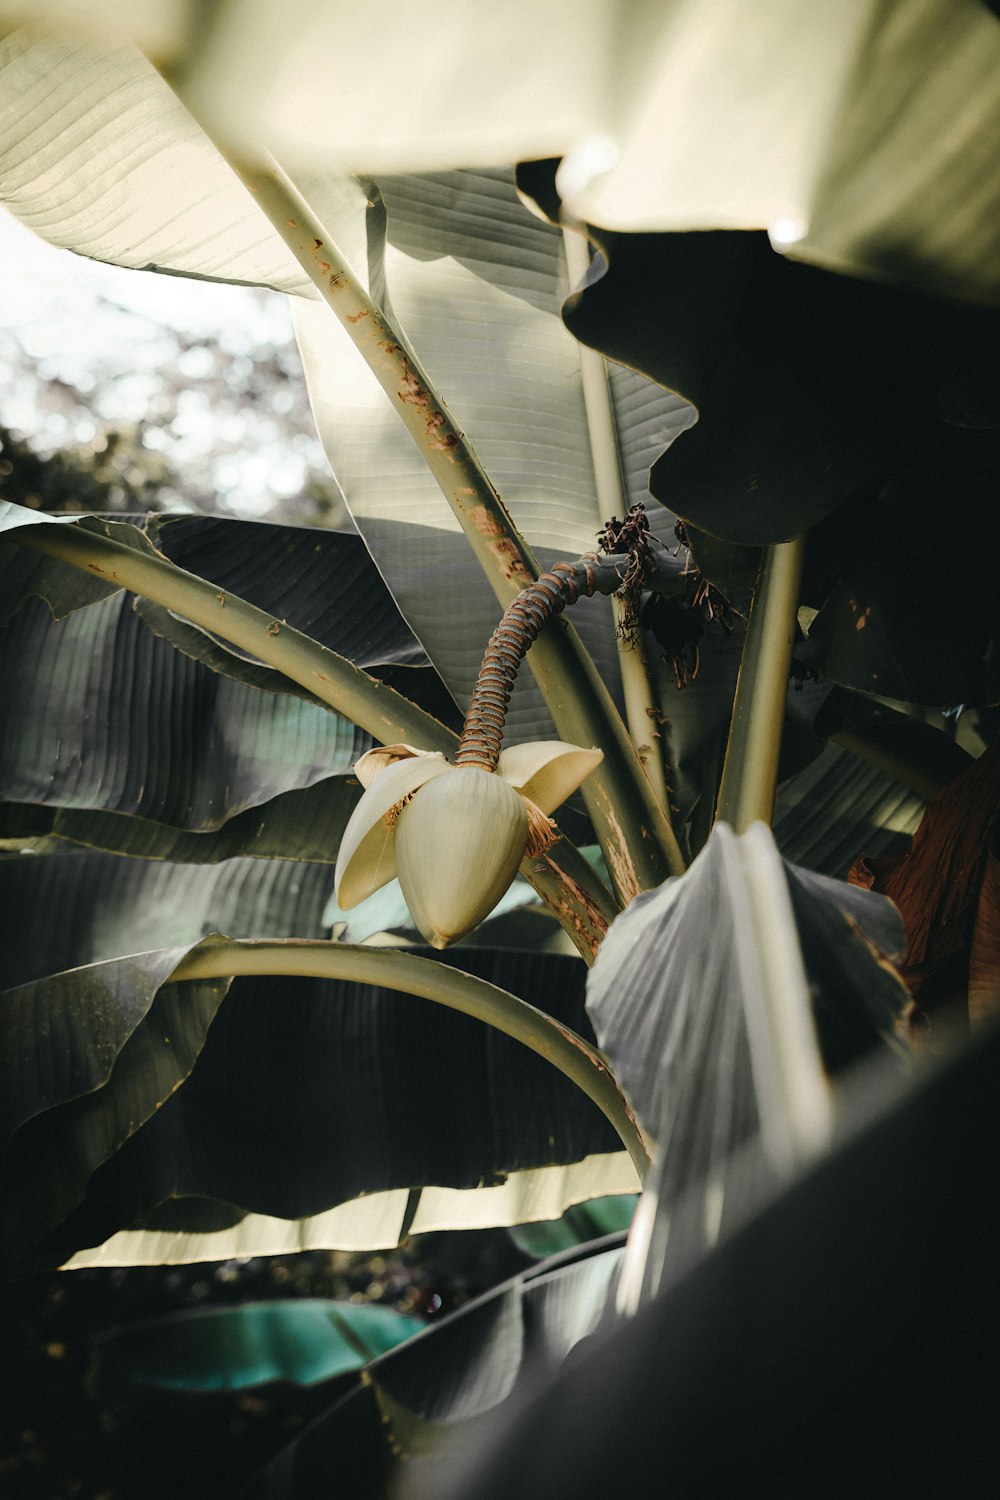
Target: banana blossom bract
454,835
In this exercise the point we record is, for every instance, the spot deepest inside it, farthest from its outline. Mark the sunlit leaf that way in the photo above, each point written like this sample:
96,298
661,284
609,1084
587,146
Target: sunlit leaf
477,282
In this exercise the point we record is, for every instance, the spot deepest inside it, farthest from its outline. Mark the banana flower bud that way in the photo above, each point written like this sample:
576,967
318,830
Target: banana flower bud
454,835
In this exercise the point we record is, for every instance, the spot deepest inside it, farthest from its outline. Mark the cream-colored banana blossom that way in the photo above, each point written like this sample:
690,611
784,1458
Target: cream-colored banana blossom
454,835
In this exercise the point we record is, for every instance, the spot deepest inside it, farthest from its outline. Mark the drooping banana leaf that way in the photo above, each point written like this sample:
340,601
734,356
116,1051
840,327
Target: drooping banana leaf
724,1000
823,399
236,1348
102,714
889,170
367,1104
299,825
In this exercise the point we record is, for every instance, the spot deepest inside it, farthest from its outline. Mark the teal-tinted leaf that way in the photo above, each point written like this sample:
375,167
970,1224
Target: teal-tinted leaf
80,907
236,1348
582,1222
100,156
99,1050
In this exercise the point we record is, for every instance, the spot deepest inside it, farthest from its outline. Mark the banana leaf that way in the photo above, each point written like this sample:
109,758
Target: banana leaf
366,1130
237,1348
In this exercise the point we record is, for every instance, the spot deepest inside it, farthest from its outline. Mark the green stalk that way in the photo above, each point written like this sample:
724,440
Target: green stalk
640,704
429,980
377,708
750,771
632,827
565,880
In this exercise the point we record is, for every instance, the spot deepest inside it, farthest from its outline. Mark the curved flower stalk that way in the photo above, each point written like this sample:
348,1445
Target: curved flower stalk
454,835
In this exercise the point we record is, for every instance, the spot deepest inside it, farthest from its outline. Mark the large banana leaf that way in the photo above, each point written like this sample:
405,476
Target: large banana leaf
196,753
824,400
367,1104
860,135
103,714
720,999
480,302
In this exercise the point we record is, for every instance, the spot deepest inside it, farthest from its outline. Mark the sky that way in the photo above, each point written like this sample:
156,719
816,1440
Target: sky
85,346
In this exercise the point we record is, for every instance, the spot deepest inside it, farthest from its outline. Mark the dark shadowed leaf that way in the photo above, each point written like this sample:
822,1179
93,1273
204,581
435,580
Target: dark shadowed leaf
103,715
438,1389
730,1349
302,825
236,1348
312,1093
98,1051
838,805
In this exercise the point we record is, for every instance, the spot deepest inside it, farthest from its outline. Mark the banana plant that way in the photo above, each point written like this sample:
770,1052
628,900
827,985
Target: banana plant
223,737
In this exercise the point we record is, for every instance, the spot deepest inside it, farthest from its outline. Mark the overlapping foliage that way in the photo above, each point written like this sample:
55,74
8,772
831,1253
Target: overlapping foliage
180,766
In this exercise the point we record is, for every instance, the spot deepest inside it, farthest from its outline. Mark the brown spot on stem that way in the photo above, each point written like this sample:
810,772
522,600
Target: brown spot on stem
273,628
317,244
324,265
484,523
337,280
356,317
222,599
576,911
506,553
